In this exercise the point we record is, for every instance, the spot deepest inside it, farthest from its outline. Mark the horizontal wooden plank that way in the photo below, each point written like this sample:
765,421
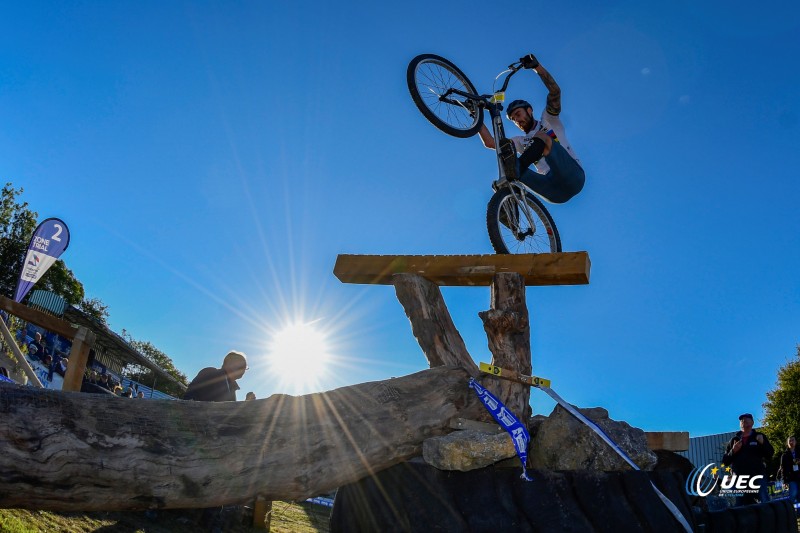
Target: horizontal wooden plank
566,268
48,322
674,441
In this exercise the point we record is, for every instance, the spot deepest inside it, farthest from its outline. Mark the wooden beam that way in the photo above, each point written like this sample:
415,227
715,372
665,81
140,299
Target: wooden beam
674,441
568,268
48,322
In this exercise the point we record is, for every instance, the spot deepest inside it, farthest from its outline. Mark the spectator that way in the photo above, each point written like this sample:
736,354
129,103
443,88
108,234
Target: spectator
140,394
104,382
117,391
35,348
218,384
790,468
746,453
250,396
61,367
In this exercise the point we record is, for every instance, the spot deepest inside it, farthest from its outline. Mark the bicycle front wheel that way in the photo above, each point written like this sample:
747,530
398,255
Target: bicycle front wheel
429,78
516,228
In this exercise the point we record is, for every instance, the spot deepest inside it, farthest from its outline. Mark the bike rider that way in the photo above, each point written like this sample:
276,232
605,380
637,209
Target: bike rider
557,175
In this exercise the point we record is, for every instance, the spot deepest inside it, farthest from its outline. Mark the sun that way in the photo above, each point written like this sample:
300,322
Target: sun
300,355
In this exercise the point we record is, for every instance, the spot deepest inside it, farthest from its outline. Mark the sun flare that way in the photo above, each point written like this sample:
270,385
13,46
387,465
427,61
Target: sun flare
300,354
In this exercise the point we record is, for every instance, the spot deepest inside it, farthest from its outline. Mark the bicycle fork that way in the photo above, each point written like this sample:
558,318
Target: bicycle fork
521,205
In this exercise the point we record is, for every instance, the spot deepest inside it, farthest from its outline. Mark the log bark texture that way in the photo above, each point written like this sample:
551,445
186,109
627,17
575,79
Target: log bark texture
72,451
431,323
509,333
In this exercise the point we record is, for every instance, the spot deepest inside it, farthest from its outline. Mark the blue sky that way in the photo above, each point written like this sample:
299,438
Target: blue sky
212,159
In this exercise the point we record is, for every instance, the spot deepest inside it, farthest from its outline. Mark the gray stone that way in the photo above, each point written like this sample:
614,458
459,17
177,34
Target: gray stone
467,450
562,442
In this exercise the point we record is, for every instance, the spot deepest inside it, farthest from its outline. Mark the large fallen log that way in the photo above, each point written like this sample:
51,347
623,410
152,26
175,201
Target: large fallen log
72,451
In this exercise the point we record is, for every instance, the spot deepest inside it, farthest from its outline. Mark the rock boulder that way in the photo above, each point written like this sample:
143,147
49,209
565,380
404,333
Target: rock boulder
562,442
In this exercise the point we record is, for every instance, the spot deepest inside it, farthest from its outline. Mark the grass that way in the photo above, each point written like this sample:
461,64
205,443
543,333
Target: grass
287,517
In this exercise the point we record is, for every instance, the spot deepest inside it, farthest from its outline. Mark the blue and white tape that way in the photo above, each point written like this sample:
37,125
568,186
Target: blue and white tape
519,434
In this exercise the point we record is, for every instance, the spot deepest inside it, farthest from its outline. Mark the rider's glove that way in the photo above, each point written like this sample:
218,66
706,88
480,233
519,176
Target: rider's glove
529,61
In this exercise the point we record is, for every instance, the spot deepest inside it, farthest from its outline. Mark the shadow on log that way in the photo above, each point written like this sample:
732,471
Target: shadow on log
71,451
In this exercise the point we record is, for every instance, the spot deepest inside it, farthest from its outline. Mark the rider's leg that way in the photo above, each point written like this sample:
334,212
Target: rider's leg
535,151
564,179
568,173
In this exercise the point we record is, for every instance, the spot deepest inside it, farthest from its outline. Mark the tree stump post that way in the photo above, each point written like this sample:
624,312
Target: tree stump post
508,330
431,323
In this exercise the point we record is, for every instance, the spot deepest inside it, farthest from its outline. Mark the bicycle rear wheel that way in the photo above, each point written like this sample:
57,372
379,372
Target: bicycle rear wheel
429,77
511,231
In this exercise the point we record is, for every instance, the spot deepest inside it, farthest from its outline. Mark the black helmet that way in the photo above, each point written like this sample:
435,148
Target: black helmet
516,104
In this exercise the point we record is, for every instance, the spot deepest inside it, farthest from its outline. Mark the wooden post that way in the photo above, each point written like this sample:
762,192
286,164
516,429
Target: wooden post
262,513
78,356
509,333
431,323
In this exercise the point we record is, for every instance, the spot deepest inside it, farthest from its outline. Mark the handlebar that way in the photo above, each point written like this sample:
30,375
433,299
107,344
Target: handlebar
481,100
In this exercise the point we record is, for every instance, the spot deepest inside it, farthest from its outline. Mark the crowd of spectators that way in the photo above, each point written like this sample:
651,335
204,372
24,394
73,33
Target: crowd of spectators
93,380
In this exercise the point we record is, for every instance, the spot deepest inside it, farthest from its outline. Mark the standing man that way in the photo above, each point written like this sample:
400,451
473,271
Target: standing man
218,384
746,453
557,175
790,468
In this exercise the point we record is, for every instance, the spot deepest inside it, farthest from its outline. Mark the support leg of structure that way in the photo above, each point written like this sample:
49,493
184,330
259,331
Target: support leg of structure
431,323
508,330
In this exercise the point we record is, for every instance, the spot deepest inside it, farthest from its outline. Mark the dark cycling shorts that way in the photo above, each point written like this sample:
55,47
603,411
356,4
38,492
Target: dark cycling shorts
564,180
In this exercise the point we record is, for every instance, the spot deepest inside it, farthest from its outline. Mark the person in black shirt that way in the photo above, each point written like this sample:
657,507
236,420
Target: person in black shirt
218,384
745,454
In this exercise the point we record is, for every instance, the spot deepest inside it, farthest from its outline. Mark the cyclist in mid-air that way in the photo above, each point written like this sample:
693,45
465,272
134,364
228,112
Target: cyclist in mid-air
557,175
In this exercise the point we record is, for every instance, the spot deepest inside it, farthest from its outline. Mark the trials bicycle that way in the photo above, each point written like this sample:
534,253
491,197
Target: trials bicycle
516,219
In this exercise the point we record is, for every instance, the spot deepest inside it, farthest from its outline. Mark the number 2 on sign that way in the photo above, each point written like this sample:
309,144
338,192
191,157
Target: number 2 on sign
55,236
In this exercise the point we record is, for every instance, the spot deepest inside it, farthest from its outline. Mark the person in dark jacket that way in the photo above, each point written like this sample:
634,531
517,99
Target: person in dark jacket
218,384
790,468
745,454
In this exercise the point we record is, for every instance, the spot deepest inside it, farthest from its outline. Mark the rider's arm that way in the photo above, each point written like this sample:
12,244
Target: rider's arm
554,91
486,137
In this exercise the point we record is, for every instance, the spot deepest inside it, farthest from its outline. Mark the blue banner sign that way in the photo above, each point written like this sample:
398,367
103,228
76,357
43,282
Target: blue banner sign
49,241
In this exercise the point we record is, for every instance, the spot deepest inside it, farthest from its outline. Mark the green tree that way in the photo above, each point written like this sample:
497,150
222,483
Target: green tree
17,223
95,308
156,356
782,408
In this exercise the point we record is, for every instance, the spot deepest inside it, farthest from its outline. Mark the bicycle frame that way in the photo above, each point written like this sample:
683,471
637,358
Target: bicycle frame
493,103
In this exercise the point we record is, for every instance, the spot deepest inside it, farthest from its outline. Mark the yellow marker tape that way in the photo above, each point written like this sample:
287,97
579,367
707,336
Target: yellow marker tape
533,381
498,97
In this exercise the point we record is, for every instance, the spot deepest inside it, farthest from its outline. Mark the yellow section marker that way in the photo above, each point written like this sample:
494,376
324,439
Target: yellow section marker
513,375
